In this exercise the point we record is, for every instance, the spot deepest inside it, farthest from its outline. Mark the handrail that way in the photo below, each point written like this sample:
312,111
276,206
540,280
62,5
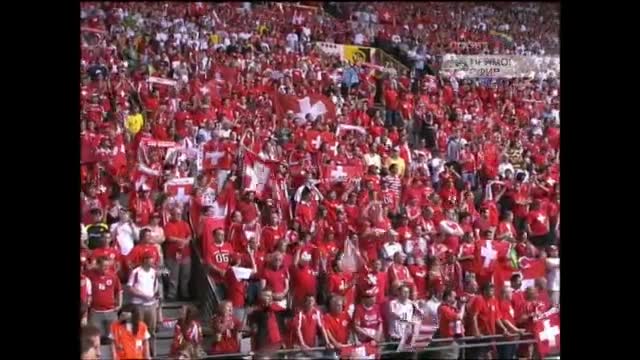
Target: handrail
490,341
207,295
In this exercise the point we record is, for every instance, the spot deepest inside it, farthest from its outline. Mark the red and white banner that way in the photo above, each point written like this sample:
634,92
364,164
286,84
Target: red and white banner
311,104
144,177
149,142
257,173
180,188
162,81
419,335
340,173
547,332
93,30
345,127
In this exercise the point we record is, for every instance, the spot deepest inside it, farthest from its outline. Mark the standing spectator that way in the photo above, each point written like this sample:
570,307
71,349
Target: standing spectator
455,146
144,287
400,313
337,323
156,233
178,261
106,297
485,314
218,259
85,296
125,232
538,226
266,326
553,274
507,319
450,315
367,319
275,277
306,326
130,337
96,228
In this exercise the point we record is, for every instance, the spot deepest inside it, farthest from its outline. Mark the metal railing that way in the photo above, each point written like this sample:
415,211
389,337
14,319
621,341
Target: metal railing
460,343
205,290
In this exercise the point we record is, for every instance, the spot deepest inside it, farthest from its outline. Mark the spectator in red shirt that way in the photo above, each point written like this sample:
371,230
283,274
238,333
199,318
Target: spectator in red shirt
106,297
337,323
538,226
485,315
275,277
219,255
226,330
450,315
367,319
178,237
507,318
306,326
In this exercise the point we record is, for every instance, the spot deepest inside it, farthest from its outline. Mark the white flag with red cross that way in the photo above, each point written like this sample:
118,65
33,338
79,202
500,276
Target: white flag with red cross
546,330
180,189
257,173
340,173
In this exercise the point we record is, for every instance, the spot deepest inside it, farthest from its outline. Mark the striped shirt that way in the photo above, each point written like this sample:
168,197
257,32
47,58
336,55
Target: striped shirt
393,183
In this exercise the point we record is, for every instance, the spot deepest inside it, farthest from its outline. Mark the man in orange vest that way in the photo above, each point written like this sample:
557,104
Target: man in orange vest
130,337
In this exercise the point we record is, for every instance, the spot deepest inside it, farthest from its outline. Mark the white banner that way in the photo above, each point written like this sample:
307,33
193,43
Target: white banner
500,66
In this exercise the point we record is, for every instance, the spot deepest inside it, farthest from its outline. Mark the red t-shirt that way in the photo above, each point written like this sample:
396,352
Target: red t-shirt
488,312
178,229
391,99
275,278
307,323
507,312
367,318
338,326
539,223
447,318
340,284
236,289
303,282
219,256
419,274
105,289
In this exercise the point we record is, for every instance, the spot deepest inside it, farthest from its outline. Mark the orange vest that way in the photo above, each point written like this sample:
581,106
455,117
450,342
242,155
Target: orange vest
128,345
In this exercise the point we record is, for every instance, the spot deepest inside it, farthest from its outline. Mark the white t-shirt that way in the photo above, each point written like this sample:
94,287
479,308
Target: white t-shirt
144,281
553,274
358,39
437,166
292,40
125,235
404,312
373,160
431,310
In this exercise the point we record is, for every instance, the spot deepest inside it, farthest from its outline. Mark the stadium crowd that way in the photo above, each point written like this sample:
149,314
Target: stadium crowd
449,216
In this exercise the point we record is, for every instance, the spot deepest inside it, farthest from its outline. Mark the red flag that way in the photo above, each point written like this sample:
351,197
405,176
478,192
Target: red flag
212,153
531,269
339,173
257,173
314,104
547,333
487,254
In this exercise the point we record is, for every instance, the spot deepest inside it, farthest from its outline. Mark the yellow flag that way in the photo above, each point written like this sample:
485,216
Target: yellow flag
357,54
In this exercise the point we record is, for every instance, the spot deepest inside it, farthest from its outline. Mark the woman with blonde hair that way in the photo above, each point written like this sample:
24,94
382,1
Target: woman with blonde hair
187,335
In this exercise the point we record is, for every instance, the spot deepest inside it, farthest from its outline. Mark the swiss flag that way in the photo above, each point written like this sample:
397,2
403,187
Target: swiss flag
547,332
210,89
487,254
316,138
180,188
339,173
314,104
212,153
257,173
